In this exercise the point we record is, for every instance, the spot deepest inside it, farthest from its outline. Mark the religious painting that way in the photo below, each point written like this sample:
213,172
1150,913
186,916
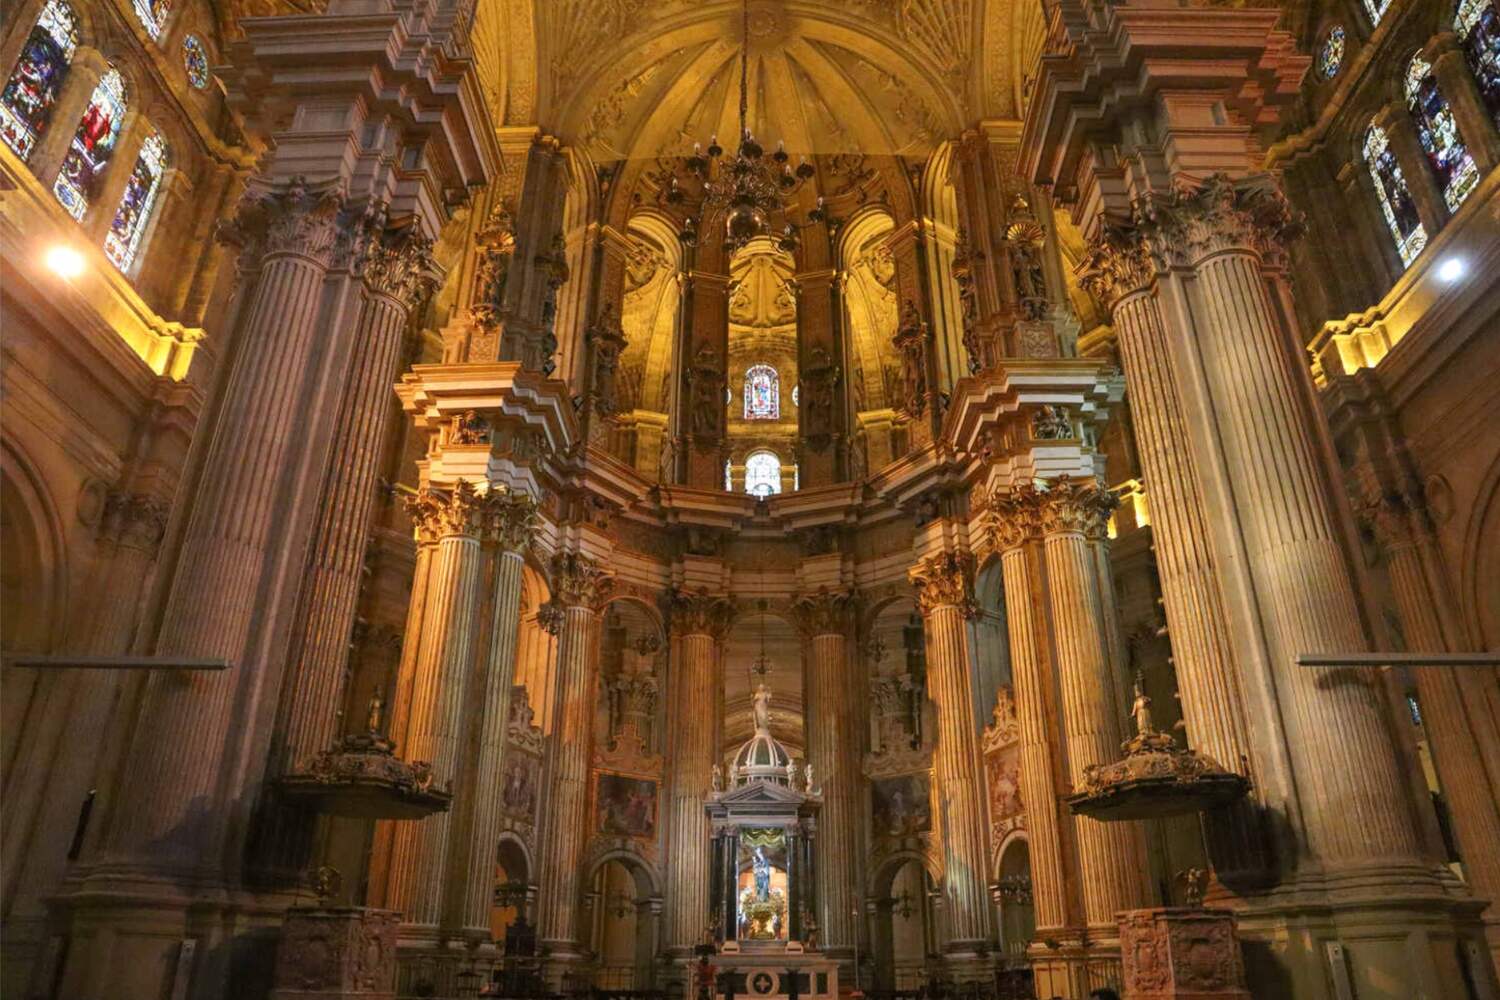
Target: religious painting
902,806
519,784
763,891
626,806
26,103
1003,772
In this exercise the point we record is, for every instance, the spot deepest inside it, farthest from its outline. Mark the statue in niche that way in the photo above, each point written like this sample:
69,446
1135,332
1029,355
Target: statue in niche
707,396
497,247
1024,241
762,868
911,342
1141,709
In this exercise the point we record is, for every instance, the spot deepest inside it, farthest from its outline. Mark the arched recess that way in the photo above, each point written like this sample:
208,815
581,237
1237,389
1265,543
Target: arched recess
536,649
939,217
869,287
650,316
514,885
763,339
1017,913
771,633
905,936
624,915
580,233
1480,570
32,587
989,639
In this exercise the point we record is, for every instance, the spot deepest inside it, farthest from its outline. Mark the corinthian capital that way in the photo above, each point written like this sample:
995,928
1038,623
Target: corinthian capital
578,581
1071,506
1115,264
699,613
513,518
945,579
1220,215
1015,516
826,612
439,513
295,220
401,265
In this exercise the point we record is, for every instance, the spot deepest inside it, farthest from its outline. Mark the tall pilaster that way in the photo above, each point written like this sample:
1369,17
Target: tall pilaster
431,701
1017,527
1111,856
698,622
1460,707
833,751
1208,678
578,585
471,864
944,585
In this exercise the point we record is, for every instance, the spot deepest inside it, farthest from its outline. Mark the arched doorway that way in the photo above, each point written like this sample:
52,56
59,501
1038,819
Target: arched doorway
624,909
513,890
1017,914
905,934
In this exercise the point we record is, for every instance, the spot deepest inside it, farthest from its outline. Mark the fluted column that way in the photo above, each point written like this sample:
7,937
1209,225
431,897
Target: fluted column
1208,678
452,522
1460,706
944,585
578,584
1111,856
396,273
698,624
471,867
1017,537
1347,772
834,751
234,547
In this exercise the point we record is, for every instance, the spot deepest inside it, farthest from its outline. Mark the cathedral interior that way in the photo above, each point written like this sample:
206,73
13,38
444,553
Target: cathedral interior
778,498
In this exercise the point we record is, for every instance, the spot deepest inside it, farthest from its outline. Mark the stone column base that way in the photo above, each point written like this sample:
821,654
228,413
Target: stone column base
337,953
1181,953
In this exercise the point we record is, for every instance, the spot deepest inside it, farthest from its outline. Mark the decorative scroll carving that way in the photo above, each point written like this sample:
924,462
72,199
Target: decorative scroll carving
135,520
1003,729
945,579
337,952
399,263
965,258
1170,953
293,220
549,617
555,271
1015,516
1114,265
699,614
825,612
438,513
911,341
1051,423
578,581
521,729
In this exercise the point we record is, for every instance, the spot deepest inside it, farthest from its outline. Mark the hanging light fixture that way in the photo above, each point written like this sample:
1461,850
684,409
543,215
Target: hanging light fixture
750,189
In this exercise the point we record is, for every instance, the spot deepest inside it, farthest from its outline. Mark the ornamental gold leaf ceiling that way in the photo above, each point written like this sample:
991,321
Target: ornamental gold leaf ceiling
639,79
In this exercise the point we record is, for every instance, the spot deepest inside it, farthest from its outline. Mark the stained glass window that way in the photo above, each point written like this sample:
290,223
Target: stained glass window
1450,160
1478,24
762,393
129,225
728,475
153,15
1331,52
195,60
93,144
762,473
1377,9
1395,199
26,103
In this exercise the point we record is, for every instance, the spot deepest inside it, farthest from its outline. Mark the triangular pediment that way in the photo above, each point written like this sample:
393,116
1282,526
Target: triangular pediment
764,792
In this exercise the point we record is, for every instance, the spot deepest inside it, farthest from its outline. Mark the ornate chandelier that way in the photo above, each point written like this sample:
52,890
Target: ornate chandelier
750,189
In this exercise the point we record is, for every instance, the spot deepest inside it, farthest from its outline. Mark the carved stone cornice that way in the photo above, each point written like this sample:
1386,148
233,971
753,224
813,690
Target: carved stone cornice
135,520
825,612
1072,506
945,579
1221,215
293,220
400,264
1015,516
579,581
699,613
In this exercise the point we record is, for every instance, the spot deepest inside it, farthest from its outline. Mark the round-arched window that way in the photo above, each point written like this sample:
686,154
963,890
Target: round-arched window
762,393
762,473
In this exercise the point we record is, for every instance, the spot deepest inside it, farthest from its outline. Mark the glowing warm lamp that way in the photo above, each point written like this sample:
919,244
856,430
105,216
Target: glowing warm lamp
1451,269
65,261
